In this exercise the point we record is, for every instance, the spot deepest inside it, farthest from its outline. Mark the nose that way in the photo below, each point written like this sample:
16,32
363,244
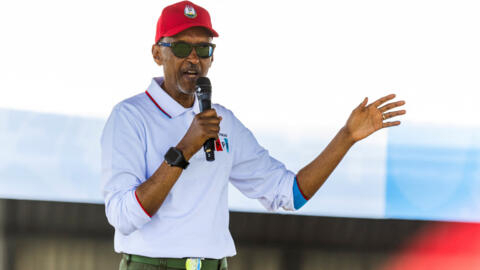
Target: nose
193,57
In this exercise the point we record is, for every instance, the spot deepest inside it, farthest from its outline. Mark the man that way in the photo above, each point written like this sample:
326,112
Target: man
168,205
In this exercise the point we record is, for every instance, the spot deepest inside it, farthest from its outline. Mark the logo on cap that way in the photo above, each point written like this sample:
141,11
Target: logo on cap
190,12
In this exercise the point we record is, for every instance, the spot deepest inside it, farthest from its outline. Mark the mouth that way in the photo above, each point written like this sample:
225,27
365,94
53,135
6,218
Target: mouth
191,74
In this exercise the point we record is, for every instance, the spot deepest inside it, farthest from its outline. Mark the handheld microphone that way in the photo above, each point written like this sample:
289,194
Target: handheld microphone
203,90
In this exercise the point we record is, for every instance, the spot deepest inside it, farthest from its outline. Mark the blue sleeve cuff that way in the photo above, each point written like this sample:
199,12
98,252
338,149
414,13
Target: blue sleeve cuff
298,198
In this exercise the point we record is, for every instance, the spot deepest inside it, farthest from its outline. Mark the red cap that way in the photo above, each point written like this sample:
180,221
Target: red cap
180,16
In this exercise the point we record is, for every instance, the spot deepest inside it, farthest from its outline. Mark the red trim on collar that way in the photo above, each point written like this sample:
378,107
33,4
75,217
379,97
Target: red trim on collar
158,106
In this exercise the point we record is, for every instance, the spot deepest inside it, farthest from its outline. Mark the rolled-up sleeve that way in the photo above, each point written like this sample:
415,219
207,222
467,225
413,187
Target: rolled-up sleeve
258,175
123,168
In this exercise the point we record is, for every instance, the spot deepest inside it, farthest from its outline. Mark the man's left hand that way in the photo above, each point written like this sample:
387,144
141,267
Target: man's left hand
365,120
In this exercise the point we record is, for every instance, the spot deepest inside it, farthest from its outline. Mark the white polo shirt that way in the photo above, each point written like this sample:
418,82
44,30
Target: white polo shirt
193,219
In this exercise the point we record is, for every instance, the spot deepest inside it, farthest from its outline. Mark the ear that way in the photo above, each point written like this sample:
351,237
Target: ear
157,54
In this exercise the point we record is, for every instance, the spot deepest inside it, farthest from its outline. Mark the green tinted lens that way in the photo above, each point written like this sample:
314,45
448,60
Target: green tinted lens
181,49
204,50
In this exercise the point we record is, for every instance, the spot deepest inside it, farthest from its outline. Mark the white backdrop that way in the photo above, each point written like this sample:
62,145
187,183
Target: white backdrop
314,57
291,71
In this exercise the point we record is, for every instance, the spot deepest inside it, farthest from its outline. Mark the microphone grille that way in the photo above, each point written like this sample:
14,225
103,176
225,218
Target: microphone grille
203,82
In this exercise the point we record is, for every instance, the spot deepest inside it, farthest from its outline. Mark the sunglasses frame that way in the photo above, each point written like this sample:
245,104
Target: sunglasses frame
195,46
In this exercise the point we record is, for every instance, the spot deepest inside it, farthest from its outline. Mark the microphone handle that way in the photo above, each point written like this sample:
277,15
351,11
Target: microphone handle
209,145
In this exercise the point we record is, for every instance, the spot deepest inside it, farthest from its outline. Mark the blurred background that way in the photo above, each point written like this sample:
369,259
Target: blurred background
404,198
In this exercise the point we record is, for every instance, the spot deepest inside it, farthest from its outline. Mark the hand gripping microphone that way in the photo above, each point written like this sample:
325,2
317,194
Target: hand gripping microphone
203,90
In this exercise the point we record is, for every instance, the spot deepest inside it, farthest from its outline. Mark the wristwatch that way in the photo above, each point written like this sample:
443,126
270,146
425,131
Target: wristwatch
174,157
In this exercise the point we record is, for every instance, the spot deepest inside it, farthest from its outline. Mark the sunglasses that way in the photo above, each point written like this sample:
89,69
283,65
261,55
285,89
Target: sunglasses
182,49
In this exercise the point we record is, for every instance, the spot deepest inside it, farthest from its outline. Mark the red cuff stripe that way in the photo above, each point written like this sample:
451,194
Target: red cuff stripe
301,192
141,204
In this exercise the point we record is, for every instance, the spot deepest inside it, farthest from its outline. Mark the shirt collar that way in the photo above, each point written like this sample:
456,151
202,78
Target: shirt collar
169,106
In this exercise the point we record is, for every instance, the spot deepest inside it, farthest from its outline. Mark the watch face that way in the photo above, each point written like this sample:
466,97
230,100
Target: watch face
173,156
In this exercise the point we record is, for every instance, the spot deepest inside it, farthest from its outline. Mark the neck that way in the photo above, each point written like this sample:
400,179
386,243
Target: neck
186,100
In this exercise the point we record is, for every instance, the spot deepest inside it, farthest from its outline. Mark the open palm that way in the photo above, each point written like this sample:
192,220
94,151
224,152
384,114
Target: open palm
365,120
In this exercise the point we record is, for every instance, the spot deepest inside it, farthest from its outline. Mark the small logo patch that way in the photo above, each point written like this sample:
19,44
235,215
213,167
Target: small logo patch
193,264
225,144
218,145
222,143
190,12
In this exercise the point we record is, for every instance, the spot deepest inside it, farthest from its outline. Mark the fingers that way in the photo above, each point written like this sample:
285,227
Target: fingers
209,123
382,100
208,132
393,114
392,105
208,113
390,115
390,124
213,133
211,128
211,120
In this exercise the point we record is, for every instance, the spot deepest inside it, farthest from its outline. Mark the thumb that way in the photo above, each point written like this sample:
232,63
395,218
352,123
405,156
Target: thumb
364,103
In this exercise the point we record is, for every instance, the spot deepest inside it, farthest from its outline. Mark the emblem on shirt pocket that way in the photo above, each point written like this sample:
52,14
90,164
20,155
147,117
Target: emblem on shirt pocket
221,143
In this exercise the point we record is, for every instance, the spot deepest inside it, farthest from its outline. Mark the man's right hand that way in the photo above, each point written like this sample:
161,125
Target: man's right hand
204,126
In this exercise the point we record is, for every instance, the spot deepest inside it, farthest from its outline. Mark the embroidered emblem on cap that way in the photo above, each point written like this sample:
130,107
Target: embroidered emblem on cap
190,12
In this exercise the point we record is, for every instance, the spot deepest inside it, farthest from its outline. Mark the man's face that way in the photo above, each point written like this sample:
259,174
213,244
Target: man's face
181,73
